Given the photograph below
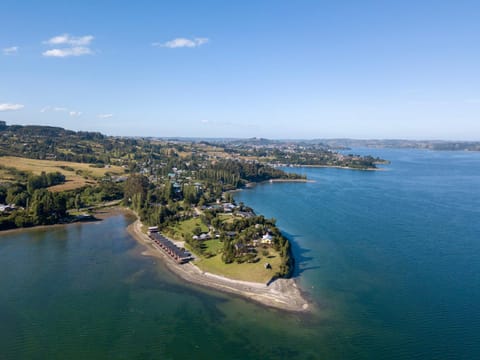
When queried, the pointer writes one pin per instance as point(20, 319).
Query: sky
point(274, 69)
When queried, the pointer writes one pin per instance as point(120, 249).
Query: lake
point(391, 258)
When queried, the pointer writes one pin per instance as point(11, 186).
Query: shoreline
point(335, 167)
point(282, 294)
point(289, 181)
point(271, 181)
point(99, 215)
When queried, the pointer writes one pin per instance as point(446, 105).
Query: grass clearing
point(226, 218)
point(186, 227)
point(81, 175)
point(255, 272)
point(213, 246)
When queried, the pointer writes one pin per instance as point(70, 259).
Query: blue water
point(392, 255)
point(391, 260)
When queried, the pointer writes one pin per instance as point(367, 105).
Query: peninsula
point(179, 189)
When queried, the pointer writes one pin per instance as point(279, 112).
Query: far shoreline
point(335, 167)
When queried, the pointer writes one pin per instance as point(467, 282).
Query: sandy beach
point(281, 294)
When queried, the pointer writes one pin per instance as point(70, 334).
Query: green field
point(213, 246)
point(186, 227)
point(255, 272)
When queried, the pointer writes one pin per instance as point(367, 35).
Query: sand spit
point(281, 294)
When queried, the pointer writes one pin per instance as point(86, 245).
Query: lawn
point(226, 218)
point(186, 227)
point(213, 246)
point(81, 175)
point(255, 272)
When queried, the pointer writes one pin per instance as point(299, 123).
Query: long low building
point(179, 255)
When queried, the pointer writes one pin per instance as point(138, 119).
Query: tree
point(136, 184)
point(197, 230)
point(168, 191)
point(78, 202)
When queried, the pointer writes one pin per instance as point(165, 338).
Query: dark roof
point(181, 253)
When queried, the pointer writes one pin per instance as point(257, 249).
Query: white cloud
point(67, 39)
point(10, 50)
point(11, 107)
point(70, 46)
point(72, 113)
point(183, 42)
point(104, 116)
point(75, 51)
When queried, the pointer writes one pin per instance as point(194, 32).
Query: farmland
point(77, 174)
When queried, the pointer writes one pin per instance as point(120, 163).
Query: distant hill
point(47, 131)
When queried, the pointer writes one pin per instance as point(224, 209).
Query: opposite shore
point(337, 167)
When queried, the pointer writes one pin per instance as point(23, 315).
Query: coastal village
point(181, 191)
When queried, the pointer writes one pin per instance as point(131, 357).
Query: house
point(267, 239)
point(228, 207)
point(204, 236)
point(152, 229)
point(245, 214)
point(7, 208)
point(119, 179)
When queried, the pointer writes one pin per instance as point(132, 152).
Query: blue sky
point(275, 69)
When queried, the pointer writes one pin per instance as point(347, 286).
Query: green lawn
point(255, 272)
point(213, 246)
point(226, 218)
point(186, 227)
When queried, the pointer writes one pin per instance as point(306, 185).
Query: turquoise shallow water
point(391, 258)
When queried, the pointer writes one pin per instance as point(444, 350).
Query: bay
point(391, 258)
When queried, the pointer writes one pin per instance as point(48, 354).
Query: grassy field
point(255, 272)
point(213, 246)
point(186, 227)
point(226, 218)
point(81, 175)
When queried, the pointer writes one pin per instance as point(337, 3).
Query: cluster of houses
point(242, 249)
point(229, 208)
point(202, 237)
point(266, 239)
